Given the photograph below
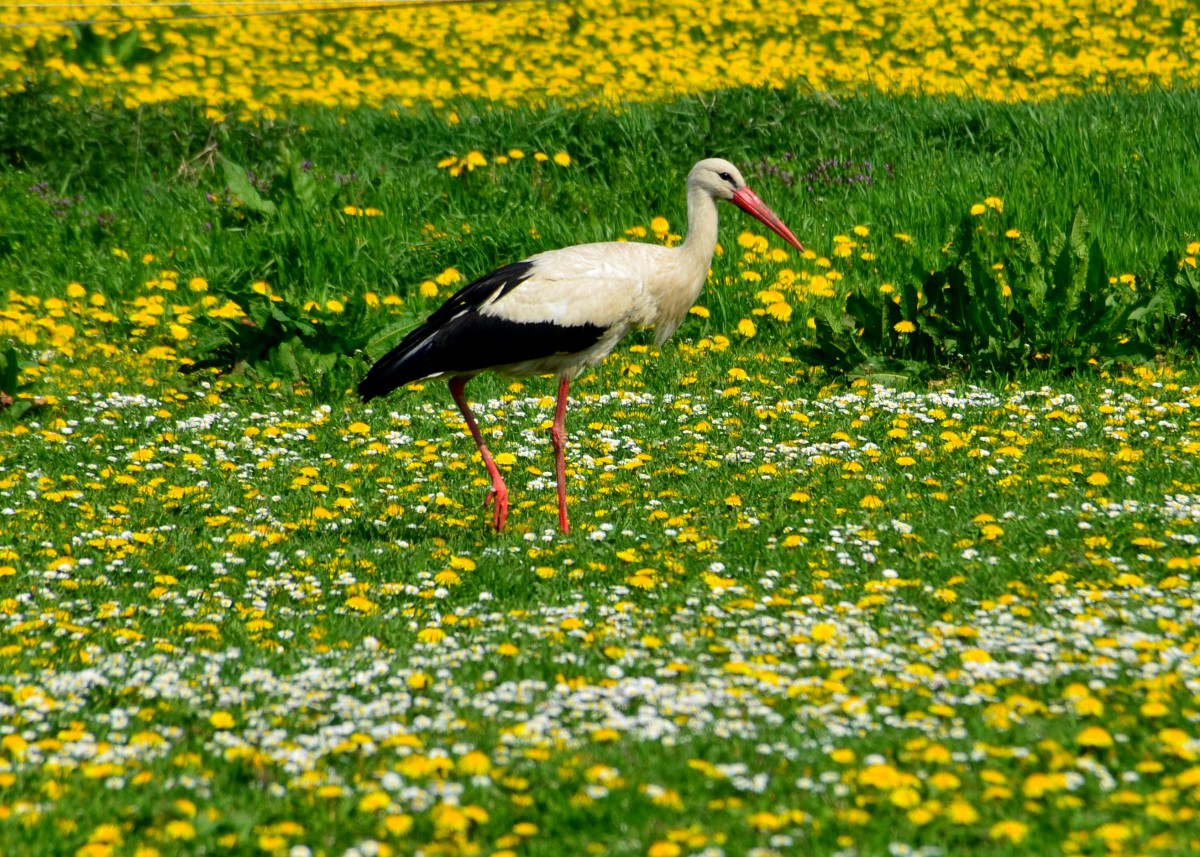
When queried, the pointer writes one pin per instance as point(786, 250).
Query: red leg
point(559, 434)
point(499, 492)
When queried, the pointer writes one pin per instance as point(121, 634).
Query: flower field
point(520, 52)
point(957, 618)
point(892, 550)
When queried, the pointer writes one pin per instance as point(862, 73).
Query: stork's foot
point(498, 496)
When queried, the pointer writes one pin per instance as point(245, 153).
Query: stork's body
point(562, 311)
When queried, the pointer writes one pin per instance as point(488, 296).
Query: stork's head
point(722, 180)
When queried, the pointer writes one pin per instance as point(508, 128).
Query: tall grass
point(139, 179)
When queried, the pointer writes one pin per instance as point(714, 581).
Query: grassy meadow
point(891, 550)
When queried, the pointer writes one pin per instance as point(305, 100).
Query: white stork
point(562, 311)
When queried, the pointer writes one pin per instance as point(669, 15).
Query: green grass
point(795, 612)
point(1124, 157)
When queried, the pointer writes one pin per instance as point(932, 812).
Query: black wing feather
point(476, 293)
point(456, 338)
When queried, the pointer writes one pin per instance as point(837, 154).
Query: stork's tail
point(400, 366)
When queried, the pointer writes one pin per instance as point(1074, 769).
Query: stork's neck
point(678, 282)
point(701, 238)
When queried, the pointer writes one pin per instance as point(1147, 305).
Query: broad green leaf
point(239, 184)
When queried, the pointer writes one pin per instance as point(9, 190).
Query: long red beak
point(748, 201)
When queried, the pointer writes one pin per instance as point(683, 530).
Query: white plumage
point(562, 311)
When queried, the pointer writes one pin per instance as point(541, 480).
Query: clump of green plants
point(305, 344)
point(1046, 306)
point(12, 384)
point(1174, 308)
point(290, 183)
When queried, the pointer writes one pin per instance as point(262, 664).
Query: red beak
point(748, 201)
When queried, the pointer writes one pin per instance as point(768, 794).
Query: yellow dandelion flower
point(475, 764)
point(962, 813)
point(843, 756)
point(374, 801)
point(229, 309)
point(432, 635)
point(663, 848)
point(398, 825)
point(1155, 709)
point(823, 633)
point(562, 159)
point(781, 311)
point(978, 209)
point(448, 277)
point(905, 326)
point(180, 830)
point(905, 798)
point(746, 328)
point(1011, 830)
point(1094, 736)
point(221, 720)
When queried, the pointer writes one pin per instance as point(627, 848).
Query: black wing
point(456, 338)
point(488, 288)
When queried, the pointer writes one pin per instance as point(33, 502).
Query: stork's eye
point(726, 177)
